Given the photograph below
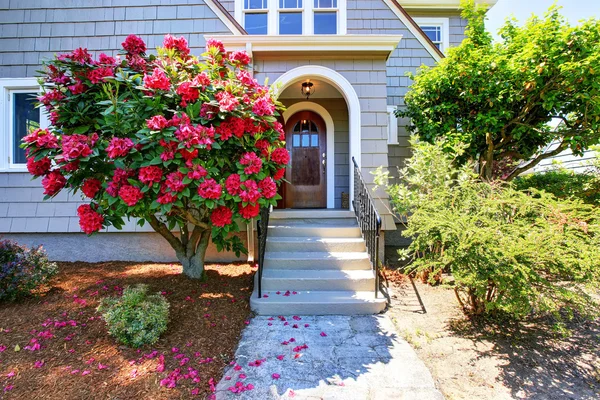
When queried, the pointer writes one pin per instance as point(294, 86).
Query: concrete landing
point(345, 358)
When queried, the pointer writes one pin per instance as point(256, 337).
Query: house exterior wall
point(32, 30)
point(338, 110)
point(566, 159)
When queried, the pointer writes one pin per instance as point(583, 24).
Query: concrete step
point(318, 303)
point(314, 230)
point(314, 244)
point(317, 260)
point(301, 214)
point(330, 280)
point(314, 220)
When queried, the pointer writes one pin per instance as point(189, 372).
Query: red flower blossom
point(209, 189)
point(78, 88)
point(280, 156)
point(233, 126)
point(166, 198)
point(177, 43)
point(201, 80)
point(42, 138)
point(136, 62)
point(106, 60)
point(169, 152)
point(221, 216)
point(263, 145)
point(157, 123)
point(263, 106)
point(232, 184)
point(239, 57)
point(80, 55)
point(53, 183)
point(208, 111)
point(246, 79)
point(279, 174)
point(158, 80)
point(175, 181)
point(197, 171)
point(119, 147)
point(227, 101)
point(91, 187)
point(268, 188)
point(249, 211)
point(52, 96)
point(71, 167)
point(38, 168)
point(188, 93)
point(76, 146)
point(89, 220)
point(98, 75)
point(150, 174)
point(249, 192)
point(130, 194)
point(215, 44)
point(188, 155)
point(252, 162)
point(134, 45)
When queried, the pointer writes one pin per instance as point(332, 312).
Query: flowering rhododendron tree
point(185, 145)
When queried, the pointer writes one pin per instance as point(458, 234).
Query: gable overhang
point(380, 46)
point(226, 18)
point(414, 28)
point(440, 4)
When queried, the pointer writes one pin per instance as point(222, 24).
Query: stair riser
point(273, 308)
point(314, 221)
point(283, 284)
point(300, 214)
point(321, 232)
point(307, 247)
point(317, 264)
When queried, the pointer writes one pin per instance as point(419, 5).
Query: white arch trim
point(347, 90)
point(330, 128)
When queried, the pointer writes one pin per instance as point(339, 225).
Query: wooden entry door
point(306, 140)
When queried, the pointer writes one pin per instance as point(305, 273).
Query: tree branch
point(192, 244)
point(194, 220)
point(166, 233)
point(563, 145)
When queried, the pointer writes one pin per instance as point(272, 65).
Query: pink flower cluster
point(78, 146)
point(157, 81)
point(89, 220)
point(119, 147)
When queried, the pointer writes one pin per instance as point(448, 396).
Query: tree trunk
point(192, 259)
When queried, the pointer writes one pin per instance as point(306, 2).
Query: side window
point(290, 17)
point(325, 17)
point(18, 117)
point(437, 30)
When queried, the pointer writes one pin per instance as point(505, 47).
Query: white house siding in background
point(566, 159)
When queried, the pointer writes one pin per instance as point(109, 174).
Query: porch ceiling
point(363, 45)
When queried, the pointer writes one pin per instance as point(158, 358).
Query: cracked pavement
point(348, 357)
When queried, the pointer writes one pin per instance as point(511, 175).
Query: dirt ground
point(78, 360)
point(503, 361)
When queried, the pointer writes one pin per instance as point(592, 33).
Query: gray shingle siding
point(33, 30)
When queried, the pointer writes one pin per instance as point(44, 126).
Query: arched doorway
point(306, 140)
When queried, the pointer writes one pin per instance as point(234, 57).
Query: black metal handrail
point(369, 220)
point(262, 228)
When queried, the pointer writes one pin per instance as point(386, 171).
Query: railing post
point(262, 228)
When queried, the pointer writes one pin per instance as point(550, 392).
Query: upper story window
point(292, 17)
point(255, 16)
point(437, 29)
point(19, 117)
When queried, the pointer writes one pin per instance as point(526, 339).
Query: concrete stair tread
point(292, 214)
point(313, 239)
point(313, 223)
point(321, 274)
point(319, 297)
point(316, 255)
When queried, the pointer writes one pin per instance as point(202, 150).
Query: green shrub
point(564, 184)
point(509, 252)
point(23, 270)
point(136, 318)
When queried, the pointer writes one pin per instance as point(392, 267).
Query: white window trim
point(392, 125)
point(307, 17)
point(444, 23)
point(8, 86)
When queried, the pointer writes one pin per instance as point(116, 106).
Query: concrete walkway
point(325, 357)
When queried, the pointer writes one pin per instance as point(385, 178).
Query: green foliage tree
point(499, 98)
point(508, 252)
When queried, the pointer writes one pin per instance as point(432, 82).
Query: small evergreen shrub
point(136, 318)
point(510, 253)
point(23, 270)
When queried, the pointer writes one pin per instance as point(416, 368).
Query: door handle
point(324, 168)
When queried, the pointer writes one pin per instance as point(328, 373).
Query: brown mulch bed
point(77, 358)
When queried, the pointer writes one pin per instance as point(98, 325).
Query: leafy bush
point(22, 270)
point(136, 318)
point(508, 252)
point(564, 184)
